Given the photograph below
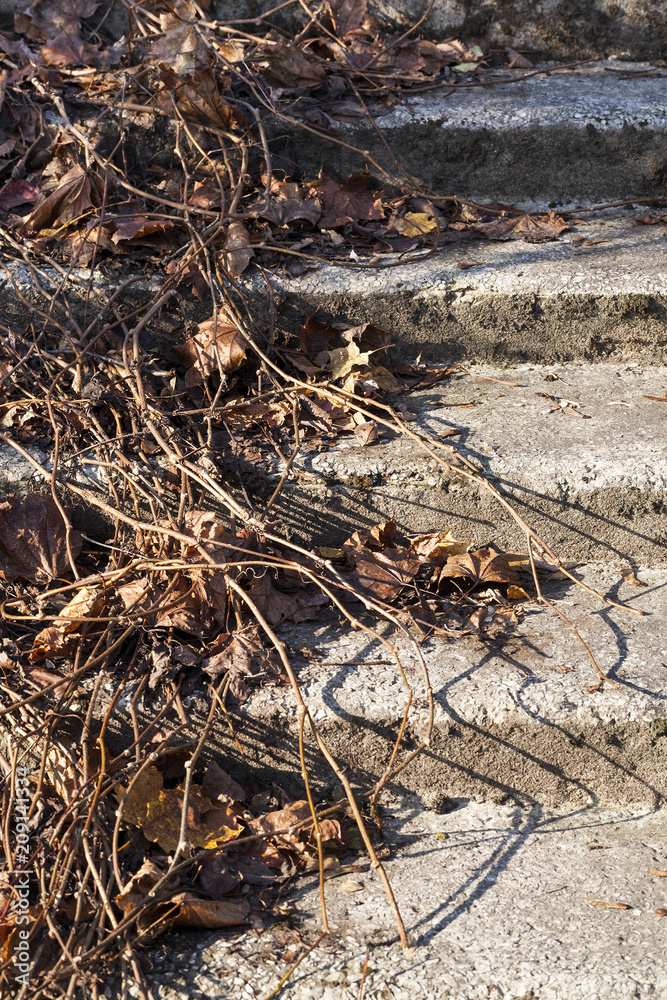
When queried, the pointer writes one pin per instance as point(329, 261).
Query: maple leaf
point(33, 539)
point(381, 567)
point(198, 98)
point(527, 227)
point(243, 656)
point(287, 205)
point(349, 201)
point(347, 15)
point(77, 192)
point(483, 566)
point(67, 49)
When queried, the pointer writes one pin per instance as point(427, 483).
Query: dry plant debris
point(178, 445)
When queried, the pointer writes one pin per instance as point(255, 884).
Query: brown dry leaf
point(53, 641)
point(347, 15)
point(601, 904)
point(366, 433)
point(287, 65)
point(483, 566)
point(238, 250)
point(517, 61)
point(270, 823)
point(243, 656)
point(180, 46)
point(316, 336)
point(516, 593)
point(217, 346)
point(53, 17)
point(381, 568)
point(33, 539)
point(220, 787)
point(342, 360)
point(68, 50)
point(350, 201)
point(137, 227)
point(75, 195)
point(286, 204)
point(629, 576)
point(436, 547)
point(157, 812)
point(277, 606)
point(350, 887)
point(197, 98)
point(527, 227)
point(211, 914)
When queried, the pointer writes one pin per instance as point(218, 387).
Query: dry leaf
point(137, 227)
point(482, 566)
point(238, 251)
point(350, 201)
point(53, 641)
point(288, 66)
point(350, 887)
point(516, 593)
point(75, 195)
point(217, 346)
point(366, 433)
point(33, 539)
point(211, 914)
point(414, 224)
point(347, 15)
point(157, 812)
point(17, 193)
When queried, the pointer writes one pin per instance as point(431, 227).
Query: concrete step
point(596, 488)
point(553, 30)
point(539, 302)
point(590, 478)
point(494, 904)
point(582, 136)
point(536, 730)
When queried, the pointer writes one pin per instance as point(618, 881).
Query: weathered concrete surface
point(493, 901)
point(538, 302)
point(594, 488)
point(584, 135)
point(527, 731)
point(552, 29)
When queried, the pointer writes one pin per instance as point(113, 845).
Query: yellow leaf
point(415, 224)
point(517, 593)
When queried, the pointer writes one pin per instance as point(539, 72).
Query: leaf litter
point(166, 438)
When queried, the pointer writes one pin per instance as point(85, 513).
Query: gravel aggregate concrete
point(518, 712)
point(589, 134)
point(590, 477)
point(493, 898)
point(597, 291)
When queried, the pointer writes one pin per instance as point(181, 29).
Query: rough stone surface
point(534, 728)
point(573, 136)
point(594, 488)
point(553, 28)
point(494, 903)
point(538, 302)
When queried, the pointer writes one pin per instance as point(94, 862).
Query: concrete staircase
point(540, 789)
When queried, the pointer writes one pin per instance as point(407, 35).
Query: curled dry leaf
point(238, 252)
point(217, 346)
point(381, 568)
point(17, 193)
point(270, 823)
point(77, 192)
point(53, 641)
point(526, 227)
point(157, 812)
point(198, 99)
point(33, 543)
point(137, 227)
point(243, 656)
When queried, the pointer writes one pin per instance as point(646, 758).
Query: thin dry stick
point(276, 990)
point(282, 653)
